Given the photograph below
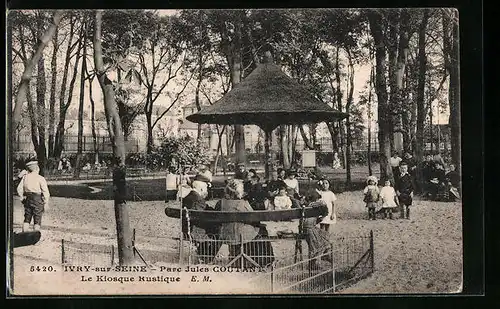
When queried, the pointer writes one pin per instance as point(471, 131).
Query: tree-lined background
point(199, 55)
point(124, 61)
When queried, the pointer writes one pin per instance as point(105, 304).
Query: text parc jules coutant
point(168, 274)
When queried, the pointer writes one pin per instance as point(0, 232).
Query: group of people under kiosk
point(245, 192)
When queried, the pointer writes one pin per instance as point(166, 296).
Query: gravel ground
point(421, 255)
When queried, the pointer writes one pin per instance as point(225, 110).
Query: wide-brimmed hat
point(372, 178)
point(291, 172)
point(31, 163)
point(201, 177)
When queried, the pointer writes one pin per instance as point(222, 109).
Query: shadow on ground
point(154, 189)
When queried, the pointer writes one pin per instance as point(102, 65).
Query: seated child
point(389, 199)
point(371, 198)
point(282, 200)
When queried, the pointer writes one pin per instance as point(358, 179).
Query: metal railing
point(348, 260)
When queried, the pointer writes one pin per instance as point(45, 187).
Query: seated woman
point(234, 232)
point(202, 234)
point(453, 180)
point(439, 189)
point(256, 195)
point(318, 240)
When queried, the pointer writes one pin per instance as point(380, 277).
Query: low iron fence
point(348, 260)
point(75, 253)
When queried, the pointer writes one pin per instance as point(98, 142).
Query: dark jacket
point(405, 184)
point(454, 178)
point(256, 196)
point(427, 170)
point(194, 201)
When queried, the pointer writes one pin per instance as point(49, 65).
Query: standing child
point(34, 195)
point(327, 196)
point(371, 198)
point(389, 199)
point(405, 191)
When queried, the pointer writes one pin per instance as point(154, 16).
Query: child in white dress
point(328, 197)
point(282, 200)
point(389, 199)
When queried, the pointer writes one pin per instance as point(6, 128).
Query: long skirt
point(259, 250)
point(318, 242)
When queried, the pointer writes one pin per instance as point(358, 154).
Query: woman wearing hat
point(235, 232)
point(292, 183)
point(34, 194)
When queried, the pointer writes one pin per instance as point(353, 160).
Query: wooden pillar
point(269, 156)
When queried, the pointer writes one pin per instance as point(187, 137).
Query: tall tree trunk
point(219, 147)
point(452, 61)
point(370, 171)
point(149, 122)
point(384, 113)
point(28, 69)
point(62, 117)
point(403, 47)
point(197, 91)
point(92, 111)
point(348, 121)
point(41, 89)
point(339, 96)
point(239, 130)
point(334, 134)
point(305, 138)
point(125, 250)
point(79, 152)
point(284, 146)
point(32, 108)
point(63, 107)
point(420, 101)
point(52, 99)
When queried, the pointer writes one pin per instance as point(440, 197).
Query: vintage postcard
point(249, 151)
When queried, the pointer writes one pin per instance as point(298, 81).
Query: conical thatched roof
point(267, 98)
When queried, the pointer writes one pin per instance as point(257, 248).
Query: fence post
point(133, 241)
point(241, 252)
point(181, 237)
point(334, 286)
point(372, 260)
point(62, 251)
point(112, 255)
point(273, 267)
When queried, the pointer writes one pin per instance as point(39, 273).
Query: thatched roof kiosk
point(267, 98)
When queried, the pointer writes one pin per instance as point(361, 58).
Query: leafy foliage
point(182, 150)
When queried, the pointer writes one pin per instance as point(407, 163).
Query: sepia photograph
point(234, 151)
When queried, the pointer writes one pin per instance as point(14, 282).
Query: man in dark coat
point(256, 195)
point(241, 173)
point(427, 168)
point(405, 190)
